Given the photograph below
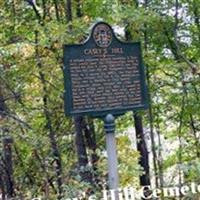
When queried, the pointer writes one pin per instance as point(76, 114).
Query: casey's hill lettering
point(103, 75)
point(103, 51)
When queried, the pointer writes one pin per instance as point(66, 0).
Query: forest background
point(55, 156)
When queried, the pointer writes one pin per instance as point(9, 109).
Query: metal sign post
point(111, 152)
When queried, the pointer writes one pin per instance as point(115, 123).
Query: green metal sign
point(103, 75)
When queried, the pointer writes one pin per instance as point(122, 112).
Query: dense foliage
point(31, 92)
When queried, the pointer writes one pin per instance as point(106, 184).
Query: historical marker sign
point(103, 75)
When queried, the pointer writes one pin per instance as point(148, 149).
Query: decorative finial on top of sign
point(102, 35)
point(109, 123)
point(109, 118)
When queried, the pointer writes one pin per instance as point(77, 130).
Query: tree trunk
point(57, 11)
point(141, 144)
point(78, 9)
point(196, 16)
point(142, 148)
point(52, 136)
point(1, 183)
point(8, 167)
point(69, 10)
point(6, 175)
point(3, 107)
point(89, 131)
point(81, 150)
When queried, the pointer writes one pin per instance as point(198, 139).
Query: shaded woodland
point(46, 154)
